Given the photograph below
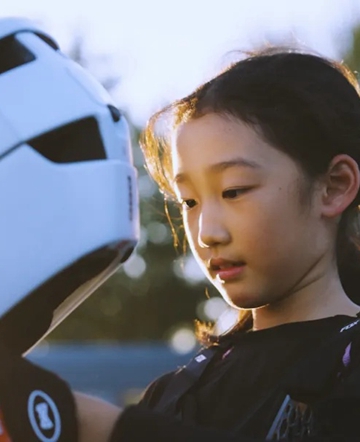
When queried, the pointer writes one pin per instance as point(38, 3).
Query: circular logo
point(44, 416)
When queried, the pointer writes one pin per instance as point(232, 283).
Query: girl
point(264, 161)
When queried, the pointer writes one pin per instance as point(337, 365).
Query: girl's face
point(242, 214)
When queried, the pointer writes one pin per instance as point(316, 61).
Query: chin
point(240, 295)
point(245, 301)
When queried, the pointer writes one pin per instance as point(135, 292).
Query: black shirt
point(234, 384)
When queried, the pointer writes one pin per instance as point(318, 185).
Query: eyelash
point(184, 204)
point(237, 190)
point(227, 194)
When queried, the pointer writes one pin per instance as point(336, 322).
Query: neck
point(320, 298)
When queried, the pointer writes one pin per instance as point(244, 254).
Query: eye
point(234, 193)
point(188, 204)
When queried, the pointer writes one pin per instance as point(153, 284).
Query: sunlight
point(183, 341)
point(135, 266)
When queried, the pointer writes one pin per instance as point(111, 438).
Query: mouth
point(225, 270)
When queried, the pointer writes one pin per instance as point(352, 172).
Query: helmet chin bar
point(44, 308)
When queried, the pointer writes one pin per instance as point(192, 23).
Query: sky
point(163, 49)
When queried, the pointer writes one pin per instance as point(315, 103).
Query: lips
point(225, 269)
point(221, 264)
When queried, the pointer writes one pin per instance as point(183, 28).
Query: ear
point(341, 185)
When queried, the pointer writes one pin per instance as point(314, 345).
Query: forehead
point(200, 143)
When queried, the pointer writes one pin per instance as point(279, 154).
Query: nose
point(212, 228)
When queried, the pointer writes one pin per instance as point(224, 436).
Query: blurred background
point(141, 322)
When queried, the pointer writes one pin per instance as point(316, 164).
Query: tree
point(352, 51)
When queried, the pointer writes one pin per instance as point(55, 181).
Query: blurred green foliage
point(352, 52)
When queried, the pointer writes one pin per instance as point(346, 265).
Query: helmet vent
point(74, 142)
point(13, 54)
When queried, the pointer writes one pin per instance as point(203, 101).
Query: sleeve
point(138, 424)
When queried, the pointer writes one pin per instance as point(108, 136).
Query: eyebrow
point(221, 166)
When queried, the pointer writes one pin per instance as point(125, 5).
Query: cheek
point(191, 232)
point(268, 228)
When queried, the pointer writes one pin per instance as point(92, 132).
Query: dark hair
point(302, 104)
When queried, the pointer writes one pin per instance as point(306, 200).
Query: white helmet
point(68, 191)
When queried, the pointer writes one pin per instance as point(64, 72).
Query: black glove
point(35, 404)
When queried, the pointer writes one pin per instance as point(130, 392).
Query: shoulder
point(155, 390)
point(351, 355)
